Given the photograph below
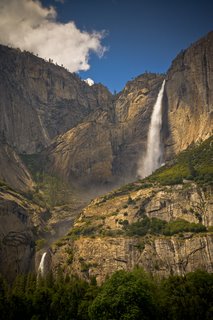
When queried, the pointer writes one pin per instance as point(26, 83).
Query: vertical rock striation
point(189, 95)
point(40, 100)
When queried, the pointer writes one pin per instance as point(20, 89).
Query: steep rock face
point(100, 257)
point(40, 100)
point(94, 138)
point(105, 148)
point(13, 171)
point(168, 203)
point(101, 245)
point(133, 109)
point(189, 95)
point(18, 218)
point(84, 152)
point(99, 138)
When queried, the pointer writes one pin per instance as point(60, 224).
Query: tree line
point(126, 295)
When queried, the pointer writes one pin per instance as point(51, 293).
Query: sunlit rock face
point(104, 247)
point(104, 149)
point(189, 95)
point(114, 140)
point(93, 138)
point(43, 104)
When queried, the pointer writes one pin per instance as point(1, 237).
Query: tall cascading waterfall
point(154, 153)
point(41, 265)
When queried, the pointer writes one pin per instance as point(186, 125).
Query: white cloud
point(28, 25)
point(89, 81)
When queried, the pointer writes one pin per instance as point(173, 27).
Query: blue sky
point(140, 35)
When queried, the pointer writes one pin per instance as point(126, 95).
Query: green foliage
point(35, 163)
point(126, 295)
point(50, 298)
point(50, 190)
point(210, 229)
point(85, 230)
point(181, 225)
point(157, 226)
point(112, 233)
point(40, 244)
point(130, 201)
point(188, 297)
point(125, 190)
point(124, 223)
point(59, 243)
point(195, 163)
point(141, 228)
point(54, 192)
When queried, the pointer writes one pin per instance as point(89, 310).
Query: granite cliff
point(105, 148)
point(189, 95)
point(120, 136)
point(159, 224)
point(92, 141)
point(20, 227)
point(44, 106)
point(40, 100)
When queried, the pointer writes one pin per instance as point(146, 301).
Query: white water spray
point(41, 265)
point(153, 156)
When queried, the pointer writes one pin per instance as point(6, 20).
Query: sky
point(110, 41)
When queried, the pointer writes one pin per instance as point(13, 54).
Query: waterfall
point(41, 265)
point(153, 157)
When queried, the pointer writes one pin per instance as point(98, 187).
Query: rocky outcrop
point(168, 203)
point(189, 95)
point(101, 246)
point(101, 256)
point(40, 100)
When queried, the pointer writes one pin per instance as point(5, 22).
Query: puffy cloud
point(28, 25)
point(89, 81)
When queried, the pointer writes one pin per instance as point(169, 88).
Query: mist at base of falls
point(153, 158)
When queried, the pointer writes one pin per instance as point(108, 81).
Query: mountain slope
point(82, 139)
point(92, 136)
point(165, 228)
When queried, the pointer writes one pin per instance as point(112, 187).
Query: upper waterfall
point(153, 157)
